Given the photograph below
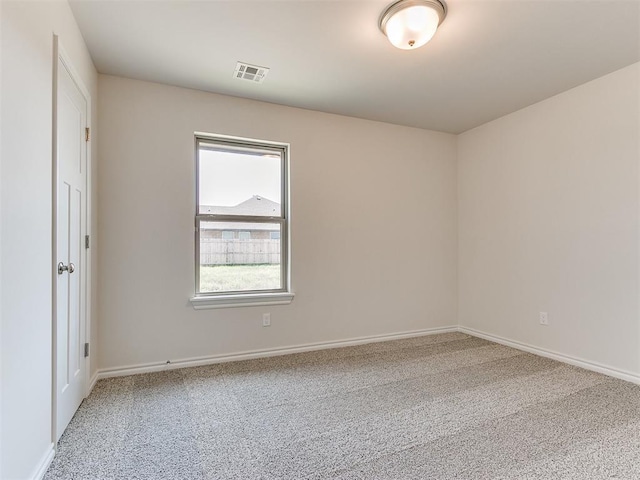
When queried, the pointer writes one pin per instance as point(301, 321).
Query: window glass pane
point(227, 235)
point(228, 265)
point(244, 235)
point(239, 180)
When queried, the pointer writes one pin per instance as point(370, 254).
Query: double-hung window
point(241, 222)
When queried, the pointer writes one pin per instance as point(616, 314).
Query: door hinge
point(86, 241)
point(86, 350)
point(87, 134)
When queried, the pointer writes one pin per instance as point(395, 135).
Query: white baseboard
point(272, 352)
point(92, 383)
point(561, 357)
point(43, 464)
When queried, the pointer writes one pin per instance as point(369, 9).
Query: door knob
point(66, 268)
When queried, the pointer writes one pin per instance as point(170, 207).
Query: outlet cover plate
point(544, 318)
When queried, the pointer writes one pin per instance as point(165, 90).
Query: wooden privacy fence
point(216, 251)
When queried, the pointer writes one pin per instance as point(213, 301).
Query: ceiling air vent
point(252, 73)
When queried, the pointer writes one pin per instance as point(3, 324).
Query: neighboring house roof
point(256, 206)
point(245, 227)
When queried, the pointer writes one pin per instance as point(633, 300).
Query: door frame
point(60, 55)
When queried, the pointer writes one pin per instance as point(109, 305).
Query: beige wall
point(350, 180)
point(26, 206)
point(548, 221)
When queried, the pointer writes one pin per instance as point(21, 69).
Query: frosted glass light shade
point(409, 24)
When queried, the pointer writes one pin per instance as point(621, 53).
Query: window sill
point(241, 300)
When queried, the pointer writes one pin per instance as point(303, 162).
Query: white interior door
point(71, 116)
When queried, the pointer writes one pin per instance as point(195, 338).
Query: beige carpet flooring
point(446, 406)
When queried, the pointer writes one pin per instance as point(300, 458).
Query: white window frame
point(280, 296)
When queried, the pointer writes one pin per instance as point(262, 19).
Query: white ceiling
point(488, 58)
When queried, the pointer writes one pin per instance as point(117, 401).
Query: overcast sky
point(227, 179)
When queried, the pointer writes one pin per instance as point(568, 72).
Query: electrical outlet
point(266, 319)
point(544, 318)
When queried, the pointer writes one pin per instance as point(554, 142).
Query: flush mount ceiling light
point(409, 24)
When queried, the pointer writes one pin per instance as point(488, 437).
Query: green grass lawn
point(220, 278)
